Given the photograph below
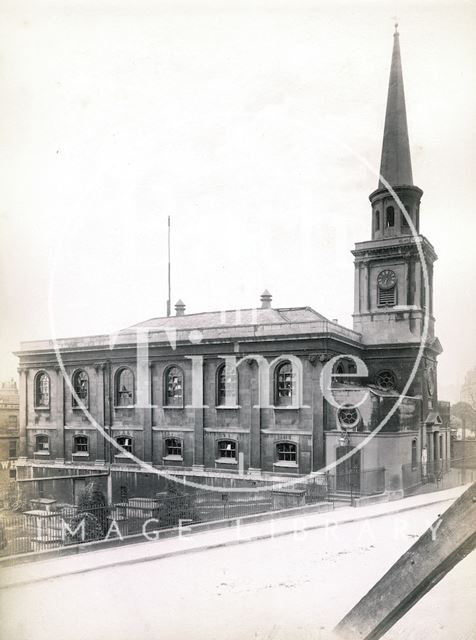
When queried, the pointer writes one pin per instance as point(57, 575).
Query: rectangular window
point(12, 449)
point(12, 421)
point(80, 444)
point(286, 452)
point(173, 447)
point(42, 443)
point(227, 449)
point(125, 442)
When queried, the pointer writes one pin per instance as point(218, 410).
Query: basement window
point(286, 452)
point(227, 449)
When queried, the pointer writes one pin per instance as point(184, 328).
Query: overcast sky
point(244, 121)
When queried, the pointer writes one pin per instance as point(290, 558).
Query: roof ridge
point(220, 311)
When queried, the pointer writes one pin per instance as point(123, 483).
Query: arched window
point(284, 384)
point(286, 452)
point(42, 390)
point(124, 388)
point(404, 217)
point(80, 444)
point(174, 387)
point(390, 217)
point(42, 443)
point(173, 447)
point(226, 385)
point(226, 449)
point(81, 387)
point(343, 367)
point(414, 454)
point(125, 442)
point(377, 220)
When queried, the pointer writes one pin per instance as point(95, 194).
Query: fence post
point(109, 488)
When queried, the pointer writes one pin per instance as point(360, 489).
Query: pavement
point(191, 543)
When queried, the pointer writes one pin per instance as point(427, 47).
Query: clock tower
point(394, 269)
point(393, 285)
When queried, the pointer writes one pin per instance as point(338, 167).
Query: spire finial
point(396, 29)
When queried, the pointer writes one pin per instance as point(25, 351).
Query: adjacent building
point(245, 393)
point(468, 390)
point(9, 432)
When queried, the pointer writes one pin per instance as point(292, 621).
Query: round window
point(386, 380)
point(348, 417)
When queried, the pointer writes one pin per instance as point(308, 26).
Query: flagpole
point(168, 266)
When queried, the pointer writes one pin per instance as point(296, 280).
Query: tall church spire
point(396, 164)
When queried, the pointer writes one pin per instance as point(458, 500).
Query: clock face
point(386, 279)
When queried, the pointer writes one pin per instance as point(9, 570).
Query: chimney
point(266, 298)
point(179, 308)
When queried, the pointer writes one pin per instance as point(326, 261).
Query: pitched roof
point(233, 318)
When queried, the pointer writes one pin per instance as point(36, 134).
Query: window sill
point(285, 408)
point(173, 458)
point(220, 407)
point(172, 406)
point(286, 463)
point(41, 453)
point(231, 461)
point(76, 407)
point(81, 454)
point(122, 456)
point(118, 408)
point(42, 408)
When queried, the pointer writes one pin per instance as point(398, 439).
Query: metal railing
point(39, 530)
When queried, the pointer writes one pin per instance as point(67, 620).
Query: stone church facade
point(246, 392)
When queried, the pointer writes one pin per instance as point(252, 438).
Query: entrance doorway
point(436, 442)
point(348, 471)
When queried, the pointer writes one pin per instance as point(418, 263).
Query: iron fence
point(39, 529)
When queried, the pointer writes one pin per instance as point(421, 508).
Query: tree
point(92, 509)
point(464, 412)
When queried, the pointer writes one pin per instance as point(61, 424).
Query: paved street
point(292, 586)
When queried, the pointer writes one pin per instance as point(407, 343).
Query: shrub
point(92, 528)
point(177, 505)
point(92, 506)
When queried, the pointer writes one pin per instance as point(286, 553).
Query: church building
point(261, 393)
